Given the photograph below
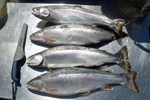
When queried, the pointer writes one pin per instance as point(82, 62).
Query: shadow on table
point(3, 19)
point(39, 69)
point(5, 99)
point(43, 24)
point(138, 28)
point(142, 47)
point(139, 32)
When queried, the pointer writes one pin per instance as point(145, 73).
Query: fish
point(68, 14)
point(72, 34)
point(78, 56)
point(71, 81)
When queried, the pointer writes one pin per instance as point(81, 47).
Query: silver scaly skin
point(71, 56)
point(70, 81)
point(72, 34)
point(65, 14)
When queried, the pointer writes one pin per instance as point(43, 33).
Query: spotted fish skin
point(72, 56)
point(70, 81)
point(72, 34)
point(68, 14)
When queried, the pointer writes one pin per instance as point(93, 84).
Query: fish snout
point(34, 61)
point(35, 84)
point(32, 37)
point(35, 12)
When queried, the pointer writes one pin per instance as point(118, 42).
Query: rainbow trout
point(72, 34)
point(70, 81)
point(65, 14)
point(71, 56)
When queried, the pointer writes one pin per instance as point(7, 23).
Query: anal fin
point(103, 66)
point(84, 92)
point(107, 88)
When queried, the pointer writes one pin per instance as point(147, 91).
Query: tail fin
point(126, 66)
point(123, 53)
point(130, 83)
point(117, 26)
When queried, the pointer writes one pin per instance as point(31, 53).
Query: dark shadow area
point(109, 9)
point(83, 2)
point(141, 47)
point(139, 32)
point(3, 16)
point(40, 69)
point(136, 30)
point(69, 97)
point(100, 67)
point(5, 99)
point(42, 44)
point(43, 24)
point(137, 27)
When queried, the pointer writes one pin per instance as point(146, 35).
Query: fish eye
point(44, 12)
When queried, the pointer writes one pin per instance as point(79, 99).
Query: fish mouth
point(32, 64)
point(29, 87)
point(32, 37)
point(35, 12)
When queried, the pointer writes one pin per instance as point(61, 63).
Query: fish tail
point(130, 83)
point(126, 66)
point(117, 25)
point(123, 52)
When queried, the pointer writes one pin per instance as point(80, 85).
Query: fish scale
point(71, 56)
point(64, 14)
point(72, 34)
point(70, 81)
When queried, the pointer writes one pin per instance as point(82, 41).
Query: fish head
point(38, 36)
point(35, 84)
point(41, 12)
point(35, 60)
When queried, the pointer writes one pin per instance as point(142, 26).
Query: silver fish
point(70, 81)
point(77, 14)
point(73, 34)
point(70, 56)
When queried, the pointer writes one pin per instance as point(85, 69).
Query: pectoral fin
point(81, 65)
point(105, 50)
point(48, 67)
point(51, 90)
point(55, 19)
point(50, 40)
point(109, 71)
point(103, 66)
point(107, 88)
point(84, 92)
